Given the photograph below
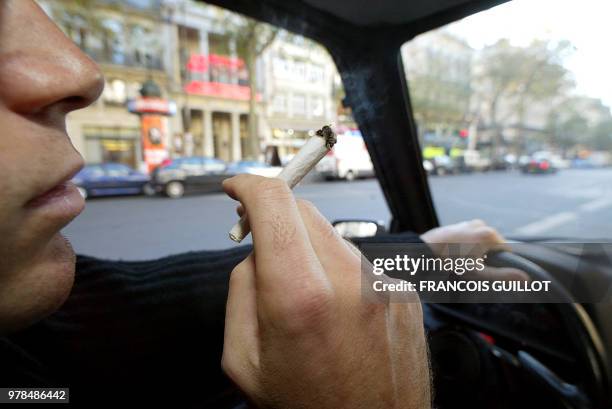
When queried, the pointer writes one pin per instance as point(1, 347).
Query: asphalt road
point(571, 203)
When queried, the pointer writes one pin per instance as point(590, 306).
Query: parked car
point(475, 161)
point(111, 179)
point(178, 176)
point(580, 163)
point(540, 162)
point(253, 168)
point(348, 160)
point(440, 165)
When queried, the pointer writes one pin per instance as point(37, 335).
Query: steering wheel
point(587, 345)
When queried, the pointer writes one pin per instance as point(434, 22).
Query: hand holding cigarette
point(307, 157)
point(298, 330)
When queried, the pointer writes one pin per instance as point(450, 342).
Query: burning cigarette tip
point(329, 135)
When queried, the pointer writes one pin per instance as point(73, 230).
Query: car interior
point(552, 355)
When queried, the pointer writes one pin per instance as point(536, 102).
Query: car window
point(196, 59)
point(115, 169)
point(192, 161)
point(93, 171)
point(175, 164)
point(512, 107)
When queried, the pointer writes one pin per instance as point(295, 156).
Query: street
point(571, 203)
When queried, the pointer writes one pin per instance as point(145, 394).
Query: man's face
point(43, 76)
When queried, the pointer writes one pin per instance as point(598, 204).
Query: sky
point(587, 24)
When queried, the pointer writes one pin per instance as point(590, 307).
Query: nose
point(42, 72)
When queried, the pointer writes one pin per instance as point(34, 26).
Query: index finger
point(285, 258)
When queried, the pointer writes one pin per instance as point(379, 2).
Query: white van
point(348, 160)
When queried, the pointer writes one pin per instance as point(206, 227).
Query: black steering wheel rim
point(581, 329)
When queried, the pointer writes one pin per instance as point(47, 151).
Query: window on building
point(218, 44)
point(317, 106)
point(115, 91)
point(114, 42)
point(281, 68)
point(316, 73)
point(144, 47)
point(298, 104)
point(299, 71)
point(279, 103)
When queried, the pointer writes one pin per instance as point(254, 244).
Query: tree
point(512, 77)
point(251, 38)
point(601, 136)
point(583, 121)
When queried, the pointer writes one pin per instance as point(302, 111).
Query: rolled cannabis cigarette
point(307, 157)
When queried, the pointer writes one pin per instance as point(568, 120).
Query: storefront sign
point(202, 62)
point(221, 90)
point(152, 106)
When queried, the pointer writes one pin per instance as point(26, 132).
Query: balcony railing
point(127, 59)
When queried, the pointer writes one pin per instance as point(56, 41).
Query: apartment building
point(126, 40)
point(298, 89)
point(188, 51)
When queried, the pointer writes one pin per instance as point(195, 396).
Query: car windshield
point(513, 115)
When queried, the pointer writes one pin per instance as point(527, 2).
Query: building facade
point(438, 68)
point(186, 48)
point(126, 40)
point(299, 76)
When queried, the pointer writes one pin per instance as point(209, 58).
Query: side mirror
point(358, 228)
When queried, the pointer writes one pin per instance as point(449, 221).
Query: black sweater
point(147, 332)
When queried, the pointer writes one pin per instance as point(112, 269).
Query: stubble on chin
point(40, 288)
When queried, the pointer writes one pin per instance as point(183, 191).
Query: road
point(571, 203)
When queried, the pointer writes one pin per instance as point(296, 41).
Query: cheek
point(19, 165)
point(27, 154)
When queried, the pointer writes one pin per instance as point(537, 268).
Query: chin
point(40, 288)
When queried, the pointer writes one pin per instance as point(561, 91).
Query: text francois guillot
point(455, 265)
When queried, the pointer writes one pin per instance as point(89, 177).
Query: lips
point(56, 188)
point(58, 204)
point(56, 192)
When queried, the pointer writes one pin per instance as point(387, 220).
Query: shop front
point(112, 144)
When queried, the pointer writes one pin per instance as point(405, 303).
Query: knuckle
point(352, 247)
point(236, 275)
point(235, 369)
point(242, 371)
point(272, 188)
point(306, 205)
point(308, 310)
point(487, 234)
point(375, 308)
point(315, 219)
point(239, 271)
point(229, 367)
